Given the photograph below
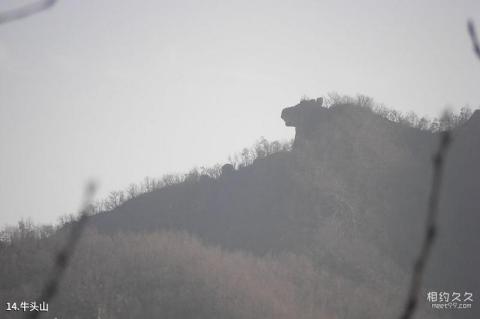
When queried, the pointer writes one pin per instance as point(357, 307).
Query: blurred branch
point(431, 228)
point(473, 36)
point(63, 257)
point(25, 11)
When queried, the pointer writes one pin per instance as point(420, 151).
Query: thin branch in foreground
point(474, 38)
point(25, 11)
point(63, 257)
point(431, 227)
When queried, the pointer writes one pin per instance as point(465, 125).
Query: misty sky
point(119, 90)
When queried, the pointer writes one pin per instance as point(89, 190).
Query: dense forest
point(325, 226)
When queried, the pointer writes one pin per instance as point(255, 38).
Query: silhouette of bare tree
point(431, 227)
point(473, 36)
point(26, 11)
point(63, 257)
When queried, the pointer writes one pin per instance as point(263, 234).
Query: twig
point(63, 256)
point(431, 228)
point(473, 36)
point(25, 11)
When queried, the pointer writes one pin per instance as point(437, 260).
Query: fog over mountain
point(117, 90)
point(325, 227)
point(223, 177)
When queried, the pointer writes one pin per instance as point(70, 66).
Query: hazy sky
point(119, 90)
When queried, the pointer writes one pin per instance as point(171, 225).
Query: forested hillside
point(325, 228)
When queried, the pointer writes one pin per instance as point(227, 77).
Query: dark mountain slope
point(329, 229)
point(352, 194)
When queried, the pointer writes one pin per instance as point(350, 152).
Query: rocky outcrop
point(306, 117)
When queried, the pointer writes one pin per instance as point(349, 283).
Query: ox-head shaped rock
point(303, 115)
